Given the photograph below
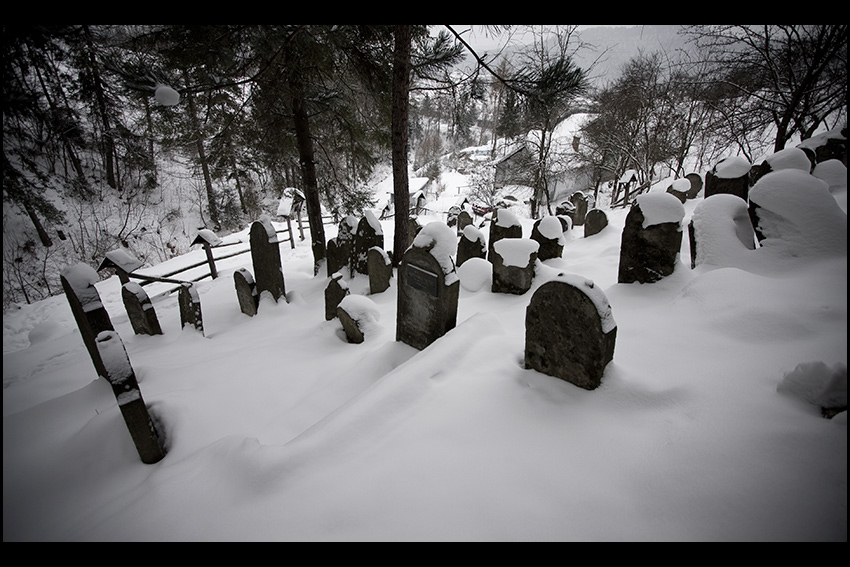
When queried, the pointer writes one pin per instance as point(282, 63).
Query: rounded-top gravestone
point(652, 238)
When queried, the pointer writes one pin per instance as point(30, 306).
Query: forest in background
point(138, 136)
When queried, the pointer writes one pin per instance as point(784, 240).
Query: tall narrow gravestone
point(380, 270)
point(190, 307)
point(89, 313)
point(265, 255)
point(428, 287)
point(339, 248)
point(471, 245)
point(505, 224)
point(121, 377)
point(652, 238)
point(140, 310)
point(580, 202)
point(246, 292)
point(335, 292)
point(369, 234)
point(570, 331)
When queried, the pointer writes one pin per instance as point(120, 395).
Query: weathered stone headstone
point(414, 228)
point(89, 313)
point(729, 175)
point(471, 245)
point(140, 310)
point(428, 287)
point(680, 188)
point(696, 185)
point(548, 232)
point(339, 248)
point(246, 292)
point(122, 378)
point(652, 238)
point(580, 202)
point(595, 221)
point(335, 292)
point(380, 269)
point(369, 234)
point(513, 265)
point(358, 315)
point(504, 224)
point(788, 158)
point(570, 332)
point(464, 219)
point(190, 307)
point(265, 254)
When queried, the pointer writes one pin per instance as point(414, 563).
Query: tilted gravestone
point(428, 287)
point(652, 238)
point(369, 234)
point(339, 248)
point(140, 310)
point(471, 245)
point(125, 387)
point(335, 292)
point(513, 265)
point(358, 315)
point(190, 307)
point(265, 255)
point(504, 224)
point(89, 313)
point(729, 175)
point(548, 232)
point(570, 331)
point(380, 270)
point(595, 221)
point(246, 291)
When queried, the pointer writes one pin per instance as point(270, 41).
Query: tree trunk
point(97, 85)
point(400, 109)
point(202, 158)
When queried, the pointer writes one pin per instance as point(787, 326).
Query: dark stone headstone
point(414, 228)
point(190, 307)
point(471, 245)
point(335, 292)
point(265, 253)
point(369, 234)
point(569, 331)
point(380, 270)
point(580, 202)
point(122, 378)
point(548, 232)
point(595, 221)
point(353, 333)
point(513, 262)
point(680, 188)
point(730, 175)
point(696, 185)
point(357, 313)
point(339, 248)
point(504, 224)
point(427, 298)
point(246, 292)
point(140, 310)
point(652, 238)
point(89, 313)
point(464, 219)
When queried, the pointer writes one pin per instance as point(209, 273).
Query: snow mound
point(732, 167)
point(516, 251)
point(817, 383)
point(660, 208)
point(475, 274)
point(722, 230)
point(441, 241)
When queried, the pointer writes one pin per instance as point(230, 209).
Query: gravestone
point(652, 238)
point(720, 227)
point(123, 262)
point(369, 234)
point(730, 175)
point(358, 315)
point(680, 188)
point(125, 387)
point(339, 248)
point(570, 331)
point(335, 292)
point(246, 292)
point(471, 245)
point(566, 222)
point(513, 265)
point(595, 221)
point(140, 310)
point(428, 287)
point(580, 202)
point(265, 254)
point(504, 224)
point(696, 185)
point(190, 307)
point(380, 270)
point(89, 313)
point(548, 232)
point(414, 228)
point(464, 219)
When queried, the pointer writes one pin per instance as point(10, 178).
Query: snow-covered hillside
point(705, 426)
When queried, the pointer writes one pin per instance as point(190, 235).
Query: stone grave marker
point(89, 313)
point(380, 270)
point(265, 254)
point(548, 232)
point(140, 310)
point(471, 245)
point(428, 287)
point(570, 331)
point(335, 292)
point(339, 248)
point(680, 188)
point(513, 265)
point(464, 219)
point(729, 175)
point(580, 202)
point(504, 224)
point(358, 315)
point(125, 386)
point(652, 238)
point(190, 307)
point(246, 291)
point(719, 227)
point(369, 234)
point(595, 221)
point(696, 185)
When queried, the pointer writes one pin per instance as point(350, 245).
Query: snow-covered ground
point(704, 427)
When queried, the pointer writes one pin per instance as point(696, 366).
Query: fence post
point(208, 239)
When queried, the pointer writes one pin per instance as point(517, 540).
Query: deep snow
point(706, 425)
